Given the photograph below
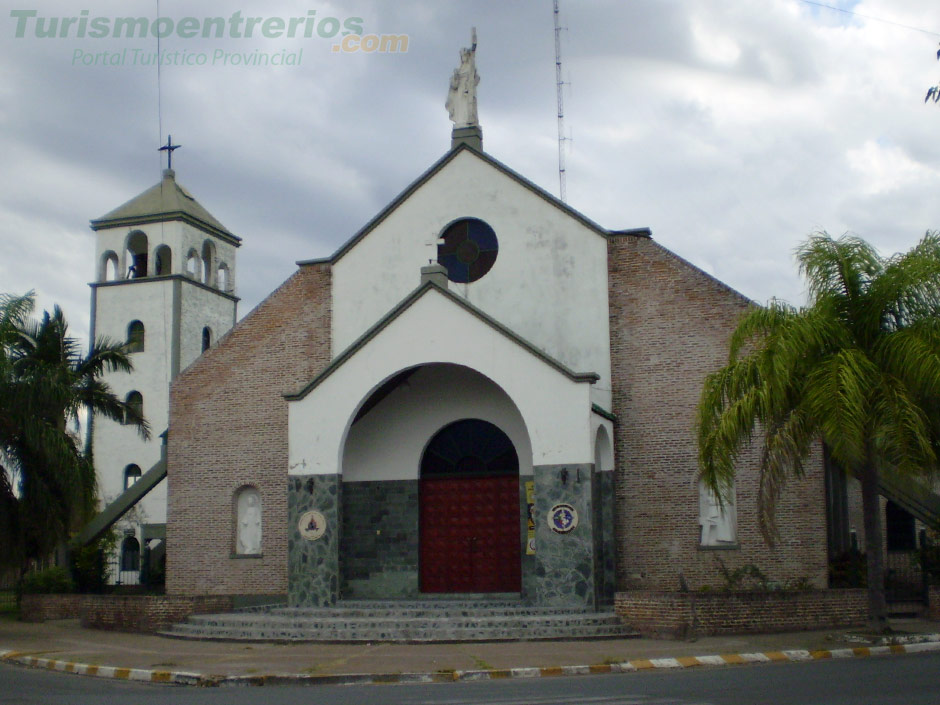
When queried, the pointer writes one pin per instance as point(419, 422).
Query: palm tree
point(858, 368)
point(47, 483)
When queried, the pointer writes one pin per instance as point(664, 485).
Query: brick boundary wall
point(122, 613)
point(682, 614)
point(933, 603)
point(146, 613)
point(39, 608)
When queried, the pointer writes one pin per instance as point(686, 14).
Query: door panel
point(469, 534)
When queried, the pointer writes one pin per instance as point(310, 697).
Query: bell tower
point(165, 285)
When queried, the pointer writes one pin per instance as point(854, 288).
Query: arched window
point(109, 267)
point(192, 264)
point(603, 453)
point(206, 338)
point(469, 446)
point(130, 554)
point(136, 402)
point(222, 278)
point(131, 475)
point(248, 521)
point(163, 261)
point(135, 337)
point(136, 255)
point(208, 263)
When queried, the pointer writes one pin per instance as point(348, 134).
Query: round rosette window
point(468, 251)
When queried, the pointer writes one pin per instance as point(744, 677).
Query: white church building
point(481, 391)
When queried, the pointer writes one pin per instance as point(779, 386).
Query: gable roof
point(434, 169)
point(404, 305)
point(166, 200)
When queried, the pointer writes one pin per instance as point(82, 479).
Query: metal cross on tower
point(168, 148)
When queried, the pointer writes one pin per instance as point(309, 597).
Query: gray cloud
point(733, 129)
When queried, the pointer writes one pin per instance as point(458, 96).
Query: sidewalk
point(153, 658)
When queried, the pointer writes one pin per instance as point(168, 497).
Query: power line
point(870, 17)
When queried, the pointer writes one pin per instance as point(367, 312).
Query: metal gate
point(905, 581)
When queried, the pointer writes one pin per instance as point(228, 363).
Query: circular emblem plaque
point(312, 525)
point(562, 518)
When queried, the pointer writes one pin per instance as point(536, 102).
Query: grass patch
point(481, 664)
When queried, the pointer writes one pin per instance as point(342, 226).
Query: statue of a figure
point(249, 523)
point(462, 97)
point(716, 520)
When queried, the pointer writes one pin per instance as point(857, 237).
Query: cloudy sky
point(732, 128)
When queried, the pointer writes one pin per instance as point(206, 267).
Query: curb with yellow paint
point(198, 679)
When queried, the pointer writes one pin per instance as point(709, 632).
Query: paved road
point(893, 680)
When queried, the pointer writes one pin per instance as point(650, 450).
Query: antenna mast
point(561, 108)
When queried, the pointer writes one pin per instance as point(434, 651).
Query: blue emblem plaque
point(562, 518)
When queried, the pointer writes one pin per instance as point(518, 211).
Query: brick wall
point(679, 615)
point(125, 613)
point(228, 428)
point(933, 603)
point(146, 613)
point(39, 608)
point(670, 324)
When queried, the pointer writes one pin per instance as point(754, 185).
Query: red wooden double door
point(470, 534)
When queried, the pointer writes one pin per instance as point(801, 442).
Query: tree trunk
point(874, 549)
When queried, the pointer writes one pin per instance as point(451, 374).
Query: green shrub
point(89, 567)
point(47, 582)
point(745, 577)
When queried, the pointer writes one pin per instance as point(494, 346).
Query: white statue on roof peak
point(462, 97)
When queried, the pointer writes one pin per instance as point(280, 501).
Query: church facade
point(482, 391)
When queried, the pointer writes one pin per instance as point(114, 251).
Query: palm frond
point(786, 444)
point(844, 266)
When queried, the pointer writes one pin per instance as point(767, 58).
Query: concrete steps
point(413, 621)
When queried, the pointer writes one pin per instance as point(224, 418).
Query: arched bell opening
point(135, 255)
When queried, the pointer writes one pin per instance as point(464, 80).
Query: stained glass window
point(469, 250)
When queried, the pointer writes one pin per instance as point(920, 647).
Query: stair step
point(417, 612)
point(405, 621)
point(401, 634)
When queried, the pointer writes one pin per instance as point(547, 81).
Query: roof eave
point(102, 223)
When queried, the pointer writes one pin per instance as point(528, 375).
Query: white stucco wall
point(200, 307)
point(388, 442)
point(554, 408)
point(116, 446)
point(549, 282)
